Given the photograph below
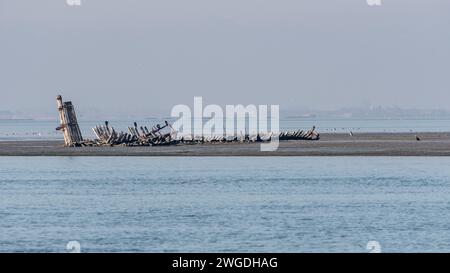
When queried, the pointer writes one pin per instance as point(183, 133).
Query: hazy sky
point(145, 56)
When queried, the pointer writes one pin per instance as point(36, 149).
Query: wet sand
point(366, 144)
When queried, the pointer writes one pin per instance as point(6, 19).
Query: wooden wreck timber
point(136, 136)
point(142, 136)
point(69, 124)
point(158, 135)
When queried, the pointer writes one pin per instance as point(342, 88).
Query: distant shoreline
point(17, 119)
point(334, 144)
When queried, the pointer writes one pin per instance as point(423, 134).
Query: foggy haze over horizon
point(144, 57)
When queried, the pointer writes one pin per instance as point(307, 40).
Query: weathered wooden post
point(69, 123)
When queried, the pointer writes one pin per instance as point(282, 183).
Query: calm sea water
point(224, 204)
point(45, 130)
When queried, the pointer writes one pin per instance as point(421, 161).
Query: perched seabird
point(417, 138)
point(351, 133)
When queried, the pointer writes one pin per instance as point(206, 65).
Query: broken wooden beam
point(69, 124)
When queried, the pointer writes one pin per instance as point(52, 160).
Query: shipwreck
point(157, 135)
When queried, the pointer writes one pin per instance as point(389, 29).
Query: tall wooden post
point(69, 123)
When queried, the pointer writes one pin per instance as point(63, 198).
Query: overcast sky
point(146, 56)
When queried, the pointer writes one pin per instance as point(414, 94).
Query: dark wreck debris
point(136, 136)
point(158, 135)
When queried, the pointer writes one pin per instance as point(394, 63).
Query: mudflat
point(364, 144)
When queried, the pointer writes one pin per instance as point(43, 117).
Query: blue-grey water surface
point(224, 204)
